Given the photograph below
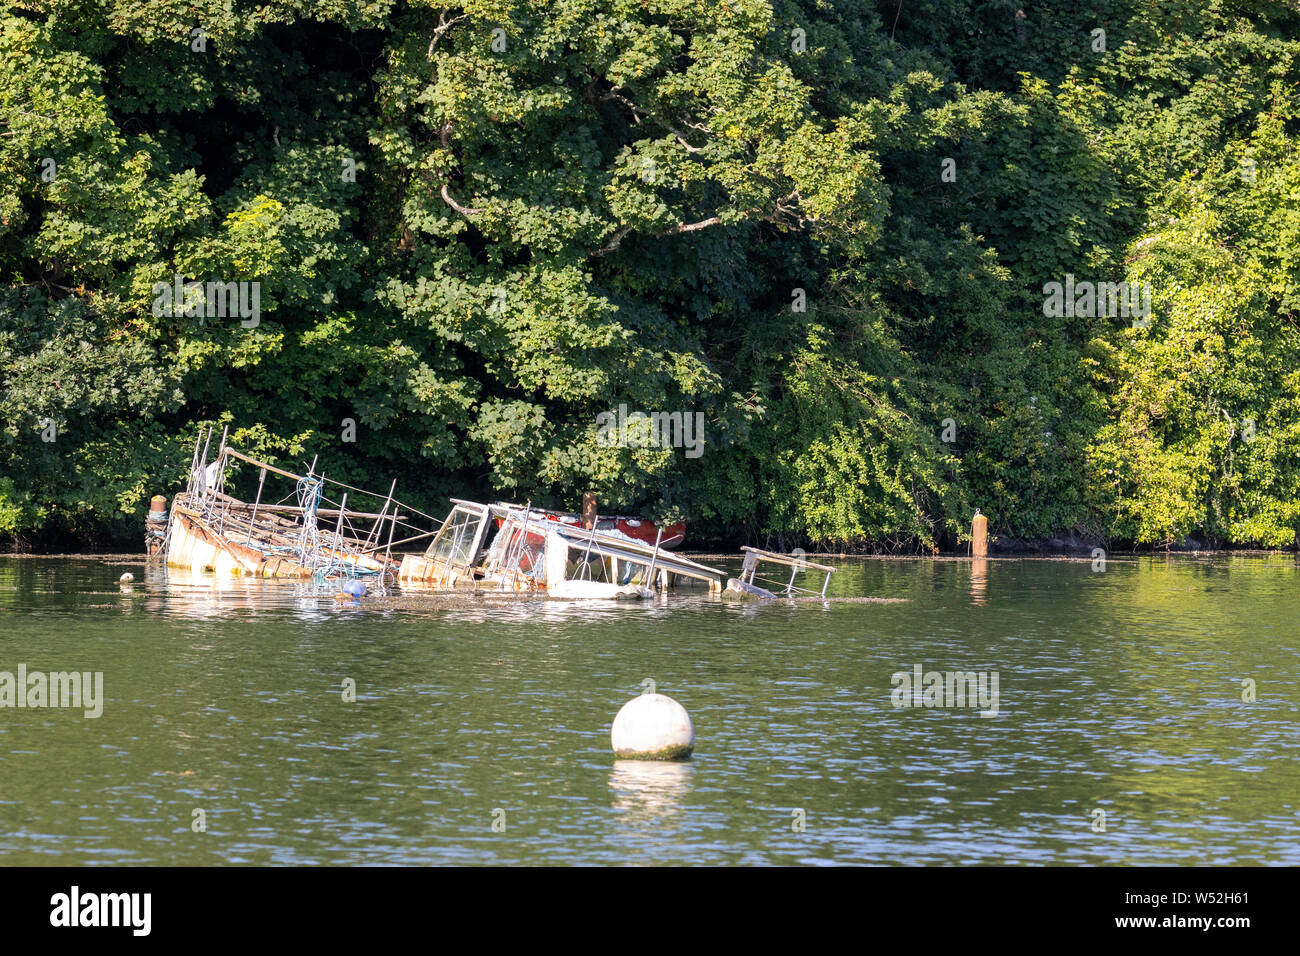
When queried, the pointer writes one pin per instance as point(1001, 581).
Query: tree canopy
point(826, 227)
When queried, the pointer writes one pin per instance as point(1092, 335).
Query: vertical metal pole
point(221, 479)
point(506, 550)
point(590, 539)
point(374, 531)
point(315, 520)
point(522, 541)
point(457, 537)
point(514, 545)
point(221, 457)
point(194, 461)
point(650, 583)
point(392, 526)
point(585, 570)
point(379, 522)
point(338, 527)
point(256, 501)
point(203, 465)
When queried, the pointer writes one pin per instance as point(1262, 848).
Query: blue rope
point(311, 488)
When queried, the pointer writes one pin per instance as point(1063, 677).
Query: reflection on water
point(1119, 690)
point(649, 792)
point(183, 594)
point(979, 573)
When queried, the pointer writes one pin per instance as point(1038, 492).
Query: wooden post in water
point(979, 536)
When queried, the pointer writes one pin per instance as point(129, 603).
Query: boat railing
point(796, 563)
point(312, 524)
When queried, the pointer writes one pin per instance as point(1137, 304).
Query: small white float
point(652, 727)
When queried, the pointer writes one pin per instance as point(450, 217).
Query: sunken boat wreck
point(304, 534)
point(322, 529)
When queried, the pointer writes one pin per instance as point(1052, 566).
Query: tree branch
point(463, 210)
point(638, 113)
point(613, 243)
point(443, 135)
point(681, 227)
point(443, 26)
point(691, 226)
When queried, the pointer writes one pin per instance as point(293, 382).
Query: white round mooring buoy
point(652, 727)
point(126, 578)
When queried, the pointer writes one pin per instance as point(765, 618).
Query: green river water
point(1119, 691)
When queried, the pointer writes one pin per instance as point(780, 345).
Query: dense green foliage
point(827, 225)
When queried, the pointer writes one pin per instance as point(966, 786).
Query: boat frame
point(210, 531)
point(532, 552)
point(745, 586)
